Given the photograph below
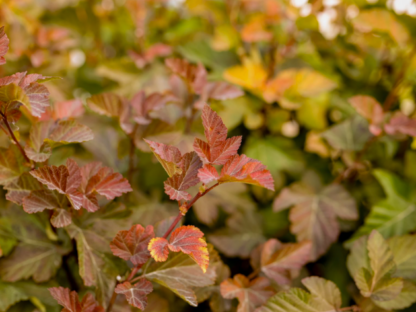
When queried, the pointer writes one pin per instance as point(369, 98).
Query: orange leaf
point(241, 168)
point(250, 294)
point(187, 239)
point(158, 248)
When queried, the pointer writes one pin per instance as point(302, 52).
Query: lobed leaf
point(132, 244)
point(187, 239)
point(314, 214)
point(250, 294)
point(69, 300)
point(4, 45)
point(177, 185)
point(169, 157)
point(136, 294)
point(241, 168)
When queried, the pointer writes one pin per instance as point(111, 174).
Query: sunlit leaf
point(187, 239)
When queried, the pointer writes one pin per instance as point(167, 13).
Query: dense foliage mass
point(211, 155)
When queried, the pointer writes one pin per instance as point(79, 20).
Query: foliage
point(287, 127)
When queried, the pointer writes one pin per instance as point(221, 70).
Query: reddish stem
point(114, 296)
point(187, 207)
point(6, 122)
point(172, 226)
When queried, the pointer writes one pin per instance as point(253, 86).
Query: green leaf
point(35, 255)
point(405, 299)
point(315, 214)
point(278, 154)
point(325, 290)
point(242, 234)
point(10, 294)
point(350, 135)
point(181, 274)
point(376, 282)
point(404, 253)
point(394, 215)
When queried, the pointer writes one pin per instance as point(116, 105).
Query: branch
point(114, 296)
point(186, 208)
point(6, 122)
point(183, 211)
point(393, 92)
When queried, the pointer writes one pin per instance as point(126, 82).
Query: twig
point(186, 208)
point(169, 230)
point(114, 296)
point(393, 92)
point(6, 122)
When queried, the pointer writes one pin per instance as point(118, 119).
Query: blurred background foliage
point(298, 63)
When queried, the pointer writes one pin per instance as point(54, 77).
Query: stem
point(131, 161)
point(393, 92)
point(352, 308)
point(172, 226)
point(114, 296)
point(188, 206)
point(6, 122)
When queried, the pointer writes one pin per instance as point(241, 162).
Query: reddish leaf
point(156, 50)
point(176, 185)
point(69, 300)
point(191, 73)
point(40, 200)
point(219, 149)
point(108, 184)
point(158, 248)
point(136, 294)
point(68, 109)
point(69, 131)
point(401, 124)
point(55, 178)
point(241, 168)
point(250, 294)
point(169, 157)
point(132, 244)
point(371, 110)
point(61, 218)
point(279, 261)
point(4, 45)
point(208, 174)
point(108, 104)
point(187, 239)
point(19, 189)
point(25, 89)
point(88, 171)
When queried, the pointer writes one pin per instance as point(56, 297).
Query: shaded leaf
point(350, 135)
point(69, 300)
point(250, 294)
point(136, 294)
point(169, 157)
point(132, 244)
point(181, 274)
point(314, 214)
point(177, 185)
point(279, 260)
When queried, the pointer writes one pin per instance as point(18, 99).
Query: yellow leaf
point(250, 75)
